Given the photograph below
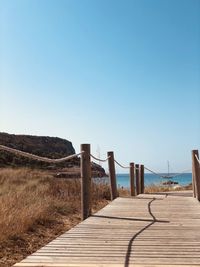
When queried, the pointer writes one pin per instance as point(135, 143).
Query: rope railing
point(151, 171)
point(162, 176)
point(181, 173)
point(197, 159)
point(98, 159)
point(124, 167)
point(136, 187)
point(45, 159)
point(35, 157)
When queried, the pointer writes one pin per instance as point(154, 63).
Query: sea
point(123, 180)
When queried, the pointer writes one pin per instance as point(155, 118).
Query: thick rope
point(124, 167)
point(197, 159)
point(152, 171)
point(35, 157)
point(161, 176)
point(102, 160)
point(181, 173)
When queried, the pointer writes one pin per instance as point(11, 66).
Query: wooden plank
point(159, 230)
point(98, 265)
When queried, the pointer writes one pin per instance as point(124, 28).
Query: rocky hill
point(45, 146)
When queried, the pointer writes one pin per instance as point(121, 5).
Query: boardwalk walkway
point(147, 230)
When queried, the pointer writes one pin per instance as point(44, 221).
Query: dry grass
point(32, 200)
point(159, 188)
point(123, 192)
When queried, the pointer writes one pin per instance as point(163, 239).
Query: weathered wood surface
point(147, 230)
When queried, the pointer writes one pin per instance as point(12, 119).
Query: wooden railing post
point(196, 174)
point(132, 176)
point(112, 175)
point(137, 178)
point(193, 180)
point(85, 181)
point(142, 179)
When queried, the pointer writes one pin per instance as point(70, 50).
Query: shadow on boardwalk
point(128, 253)
point(152, 221)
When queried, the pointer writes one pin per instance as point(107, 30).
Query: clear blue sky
point(121, 75)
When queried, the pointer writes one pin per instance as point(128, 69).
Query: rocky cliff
point(45, 146)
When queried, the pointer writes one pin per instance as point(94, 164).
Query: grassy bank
point(35, 207)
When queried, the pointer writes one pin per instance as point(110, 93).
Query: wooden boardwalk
point(147, 230)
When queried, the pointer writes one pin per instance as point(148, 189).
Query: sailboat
point(167, 176)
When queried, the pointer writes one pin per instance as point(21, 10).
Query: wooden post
point(132, 176)
point(137, 174)
point(196, 173)
point(193, 181)
point(142, 178)
point(112, 175)
point(85, 181)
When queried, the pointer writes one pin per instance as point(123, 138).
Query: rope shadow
point(152, 221)
point(128, 253)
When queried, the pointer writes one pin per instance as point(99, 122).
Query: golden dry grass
point(159, 188)
point(31, 199)
point(123, 192)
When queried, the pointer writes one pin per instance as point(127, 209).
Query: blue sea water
point(151, 179)
point(123, 180)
